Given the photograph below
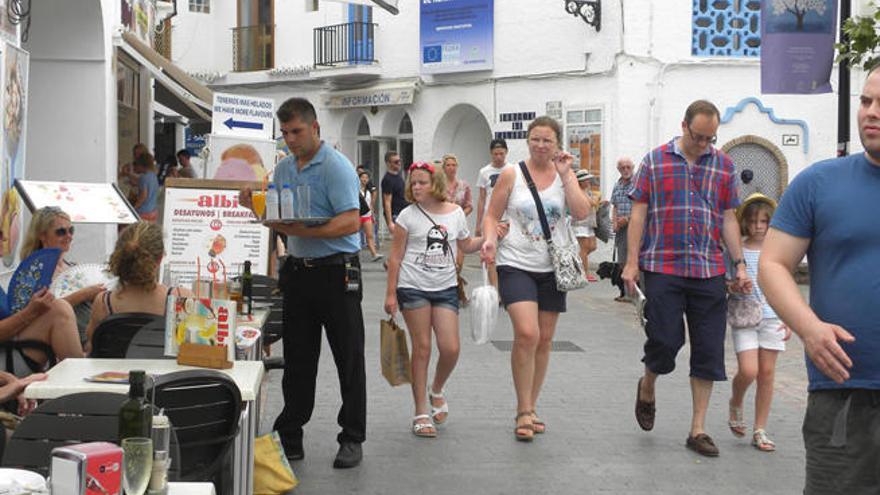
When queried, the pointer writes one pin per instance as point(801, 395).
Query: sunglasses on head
point(61, 232)
point(422, 166)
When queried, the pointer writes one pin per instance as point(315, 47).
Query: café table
point(68, 377)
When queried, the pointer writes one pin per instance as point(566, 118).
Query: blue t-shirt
point(334, 189)
point(833, 203)
point(148, 181)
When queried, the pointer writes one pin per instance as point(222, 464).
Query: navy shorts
point(515, 285)
point(409, 298)
point(704, 303)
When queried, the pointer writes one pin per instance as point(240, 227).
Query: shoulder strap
point(545, 227)
point(426, 214)
point(107, 302)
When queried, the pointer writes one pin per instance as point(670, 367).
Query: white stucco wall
point(71, 132)
point(203, 42)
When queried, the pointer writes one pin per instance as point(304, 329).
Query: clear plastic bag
point(484, 310)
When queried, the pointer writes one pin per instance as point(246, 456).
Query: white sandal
point(762, 442)
point(418, 429)
point(444, 409)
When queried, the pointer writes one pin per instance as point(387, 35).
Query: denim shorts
point(515, 285)
point(409, 298)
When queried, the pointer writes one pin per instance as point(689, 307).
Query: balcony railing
point(350, 43)
point(253, 47)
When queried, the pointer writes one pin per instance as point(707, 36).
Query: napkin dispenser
point(87, 469)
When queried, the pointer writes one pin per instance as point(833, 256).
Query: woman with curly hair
point(135, 260)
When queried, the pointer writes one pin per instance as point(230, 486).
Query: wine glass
point(137, 458)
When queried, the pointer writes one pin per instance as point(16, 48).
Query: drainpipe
point(843, 87)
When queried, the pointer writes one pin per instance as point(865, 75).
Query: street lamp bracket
point(589, 10)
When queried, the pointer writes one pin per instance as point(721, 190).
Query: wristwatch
point(738, 262)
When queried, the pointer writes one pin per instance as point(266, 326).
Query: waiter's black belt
point(332, 260)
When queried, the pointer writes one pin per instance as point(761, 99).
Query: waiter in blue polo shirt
point(321, 284)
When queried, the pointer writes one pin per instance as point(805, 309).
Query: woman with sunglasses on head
point(526, 281)
point(422, 284)
point(50, 227)
point(135, 260)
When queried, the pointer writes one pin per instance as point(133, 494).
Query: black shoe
point(349, 455)
point(294, 452)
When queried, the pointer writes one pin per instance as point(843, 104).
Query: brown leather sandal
point(524, 432)
point(538, 424)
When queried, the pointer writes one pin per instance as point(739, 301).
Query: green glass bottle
point(135, 415)
point(247, 288)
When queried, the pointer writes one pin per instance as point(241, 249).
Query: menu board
point(84, 202)
point(208, 234)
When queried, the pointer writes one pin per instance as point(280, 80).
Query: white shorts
point(767, 335)
point(583, 230)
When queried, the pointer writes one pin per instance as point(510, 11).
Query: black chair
point(15, 362)
point(113, 335)
point(204, 407)
point(70, 419)
point(148, 342)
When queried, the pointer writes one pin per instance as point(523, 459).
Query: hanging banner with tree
point(797, 46)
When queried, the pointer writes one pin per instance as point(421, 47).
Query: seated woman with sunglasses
point(135, 260)
point(50, 228)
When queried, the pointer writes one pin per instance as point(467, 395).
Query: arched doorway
point(464, 131)
point(405, 140)
point(760, 166)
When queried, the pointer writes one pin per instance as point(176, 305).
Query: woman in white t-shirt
point(422, 283)
point(526, 282)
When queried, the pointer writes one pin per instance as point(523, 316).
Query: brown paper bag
point(394, 353)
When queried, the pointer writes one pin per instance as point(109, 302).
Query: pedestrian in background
point(367, 217)
point(486, 182)
point(621, 206)
point(683, 204)
point(526, 281)
point(458, 191)
point(146, 203)
point(756, 347)
point(422, 284)
point(828, 213)
point(584, 230)
point(393, 186)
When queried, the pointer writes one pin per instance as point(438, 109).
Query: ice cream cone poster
point(236, 158)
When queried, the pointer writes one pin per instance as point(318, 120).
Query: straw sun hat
point(754, 198)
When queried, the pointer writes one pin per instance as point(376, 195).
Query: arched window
point(760, 166)
point(363, 127)
point(406, 126)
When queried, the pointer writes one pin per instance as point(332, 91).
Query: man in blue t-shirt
point(321, 284)
point(829, 214)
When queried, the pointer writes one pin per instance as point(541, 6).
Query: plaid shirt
point(686, 205)
point(620, 197)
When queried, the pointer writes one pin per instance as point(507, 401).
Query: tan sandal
point(524, 432)
point(538, 424)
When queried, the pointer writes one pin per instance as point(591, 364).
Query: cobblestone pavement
point(592, 444)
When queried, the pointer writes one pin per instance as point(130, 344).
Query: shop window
point(583, 131)
point(200, 6)
point(726, 28)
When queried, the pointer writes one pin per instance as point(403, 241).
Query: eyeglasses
point(702, 139)
point(61, 231)
point(422, 166)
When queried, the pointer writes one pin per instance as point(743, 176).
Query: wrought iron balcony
point(350, 43)
point(253, 47)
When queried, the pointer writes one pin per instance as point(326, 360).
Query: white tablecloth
point(181, 488)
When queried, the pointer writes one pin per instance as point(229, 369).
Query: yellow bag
point(395, 353)
point(272, 473)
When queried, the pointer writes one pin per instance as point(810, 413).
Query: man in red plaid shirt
point(684, 199)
